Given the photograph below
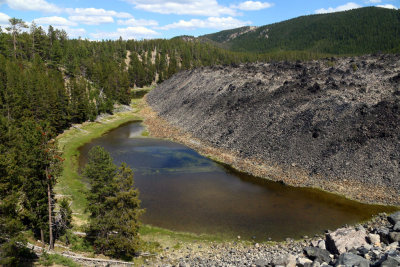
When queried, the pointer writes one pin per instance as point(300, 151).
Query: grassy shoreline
point(69, 183)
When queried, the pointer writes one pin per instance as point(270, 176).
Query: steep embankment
point(332, 124)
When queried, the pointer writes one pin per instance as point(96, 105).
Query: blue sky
point(144, 19)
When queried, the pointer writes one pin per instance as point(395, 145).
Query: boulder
point(394, 218)
point(383, 232)
point(321, 244)
point(396, 227)
point(287, 260)
point(350, 260)
point(392, 259)
point(261, 262)
point(303, 262)
point(392, 246)
point(374, 239)
point(317, 254)
point(390, 263)
point(344, 239)
point(394, 236)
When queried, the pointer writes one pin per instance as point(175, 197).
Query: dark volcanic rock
point(349, 259)
point(383, 232)
point(394, 236)
point(320, 255)
point(334, 123)
point(394, 218)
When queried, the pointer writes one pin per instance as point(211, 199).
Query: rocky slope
point(332, 124)
point(375, 243)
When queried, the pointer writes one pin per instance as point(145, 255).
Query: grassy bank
point(69, 183)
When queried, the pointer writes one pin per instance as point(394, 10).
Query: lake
point(184, 191)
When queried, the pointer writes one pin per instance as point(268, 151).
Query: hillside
point(358, 31)
point(331, 124)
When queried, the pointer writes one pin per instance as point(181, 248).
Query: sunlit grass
point(70, 183)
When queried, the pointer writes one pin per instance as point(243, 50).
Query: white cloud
point(72, 32)
point(4, 18)
point(184, 7)
point(212, 22)
point(33, 5)
point(373, 1)
point(55, 21)
point(344, 7)
point(387, 6)
point(252, 5)
point(97, 12)
point(126, 33)
point(95, 16)
point(138, 22)
point(92, 20)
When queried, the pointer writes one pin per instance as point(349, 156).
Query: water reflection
point(184, 191)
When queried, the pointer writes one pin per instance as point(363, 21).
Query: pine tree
point(12, 241)
point(15, 28)
point(113, 204)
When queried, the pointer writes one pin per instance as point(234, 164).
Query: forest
point(352, 32)
point(49, 82)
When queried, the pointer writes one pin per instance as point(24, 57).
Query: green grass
point(70, 182)
point(51, 259)
point(145, 133)
point(138, 93)
point(148, 232)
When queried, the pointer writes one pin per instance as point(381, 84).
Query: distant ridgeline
point(358, 31)
point(48, 82)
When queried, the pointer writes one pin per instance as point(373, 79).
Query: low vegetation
point(49, 83)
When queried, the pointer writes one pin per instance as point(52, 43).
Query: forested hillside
point(358, 31)
point(47, 83)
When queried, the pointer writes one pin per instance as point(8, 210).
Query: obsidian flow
point(184, 191)
point(336, 117)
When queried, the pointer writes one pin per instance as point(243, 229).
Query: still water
point(184, 191)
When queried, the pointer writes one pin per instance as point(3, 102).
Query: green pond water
point(184, 191)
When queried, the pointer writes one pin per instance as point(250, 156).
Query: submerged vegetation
point(49, 83)
point(113, 204)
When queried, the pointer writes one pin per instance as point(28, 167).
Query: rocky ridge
point(331, 124)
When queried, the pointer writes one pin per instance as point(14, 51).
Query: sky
point(149, 19)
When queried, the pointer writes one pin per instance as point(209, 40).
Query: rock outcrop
point(302, 253)
point(332, 124)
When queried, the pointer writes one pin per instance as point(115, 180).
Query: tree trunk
point(33, 44)
point(50, 220)
point(15, 45)
point(42, 237)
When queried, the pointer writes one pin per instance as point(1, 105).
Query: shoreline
point(176, 247)
point(291, 175)
point(69, 183)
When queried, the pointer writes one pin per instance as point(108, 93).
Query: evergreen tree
point(15, 28)
point(63, 219)
point(12, 241)
point(113, 204)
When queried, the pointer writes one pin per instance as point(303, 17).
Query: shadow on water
point(184, 191)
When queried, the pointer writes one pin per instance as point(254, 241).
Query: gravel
point(292, 253)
